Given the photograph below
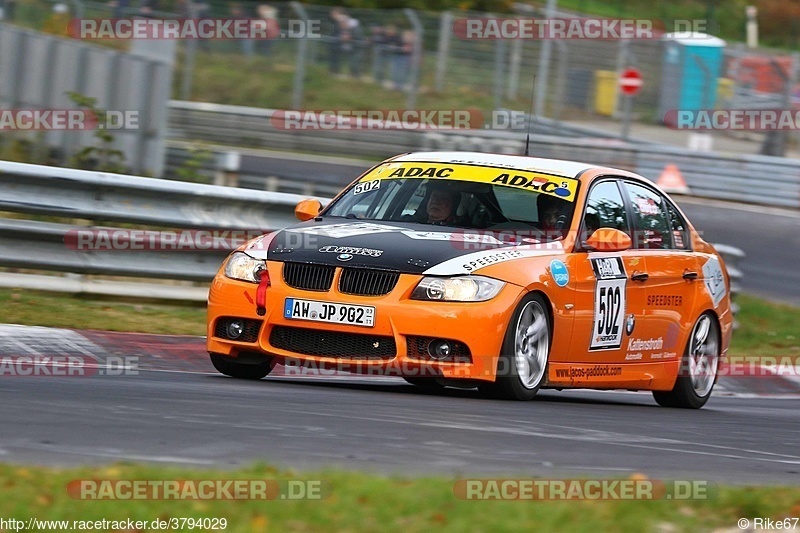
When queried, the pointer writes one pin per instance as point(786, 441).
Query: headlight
point(243, 267)
point(457, 289)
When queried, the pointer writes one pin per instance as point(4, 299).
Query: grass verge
point(766, 328)
point(36, 308)
point(368, 502)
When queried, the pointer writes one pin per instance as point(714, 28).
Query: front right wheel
point(698, 371)
point(522, 367)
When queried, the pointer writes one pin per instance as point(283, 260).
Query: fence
point(576, 78)
point(42, 70)
point(33, 190)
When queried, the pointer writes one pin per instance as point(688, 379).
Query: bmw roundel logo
point(344, 257)
point(629, 324)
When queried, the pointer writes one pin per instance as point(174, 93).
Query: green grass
point(89, 312)
point(766, 328)
point(367, 502)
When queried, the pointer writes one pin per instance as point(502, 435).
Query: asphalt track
point(175, 409)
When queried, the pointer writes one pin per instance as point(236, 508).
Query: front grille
point(332, 344)
point(366, 282)
point(249, 331)
point(417, 348)
point(308, 277)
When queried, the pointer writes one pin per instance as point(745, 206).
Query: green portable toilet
point(691, 67)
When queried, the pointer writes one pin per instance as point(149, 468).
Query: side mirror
point(608, 240)
point(307, 209)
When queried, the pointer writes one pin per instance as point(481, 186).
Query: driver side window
point(604, 209)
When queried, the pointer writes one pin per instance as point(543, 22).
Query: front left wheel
point(522, 367)
point(247, 367)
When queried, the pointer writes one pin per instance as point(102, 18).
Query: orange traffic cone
point(672, 181)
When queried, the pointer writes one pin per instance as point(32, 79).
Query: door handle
point(640, 276)
point(690, 274)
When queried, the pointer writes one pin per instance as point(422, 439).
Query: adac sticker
point(559, 272)
point(559, 186)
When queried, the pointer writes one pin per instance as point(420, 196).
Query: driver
point(441, 207)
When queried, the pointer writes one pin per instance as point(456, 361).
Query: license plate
point(356, 315)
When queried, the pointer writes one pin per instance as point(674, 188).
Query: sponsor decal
point(713, 280)
point(559, 272)
point(664, 300)
point(594, 371)
point(647, 206)
point(558, 186)
point(466, 264)
point(367, 186)
point(338, 231)
point(421, 172)
point(677, 236)
point(609, 303)
point(645, 344)
point(351, 251)
point(477, 238)
point(633, 357)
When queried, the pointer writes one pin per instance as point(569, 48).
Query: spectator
point(119, 8)
point(353, 47)
point(401, 60)
point(148, 8)
point(268, 14)
point(238, 12)
point(377, 37)
point(335, 42)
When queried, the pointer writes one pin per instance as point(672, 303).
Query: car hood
point(398, 246)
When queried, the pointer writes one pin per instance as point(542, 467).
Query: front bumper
point(480, 326)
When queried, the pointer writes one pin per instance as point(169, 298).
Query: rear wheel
point(522, 366)
point(698, 371)
point(248, 366)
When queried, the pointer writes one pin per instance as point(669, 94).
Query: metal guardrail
point(99, 197)
point(755, 179)
point(112, 198)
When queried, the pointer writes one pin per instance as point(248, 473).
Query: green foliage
point(191, 169)
point(496, 6)
point(103, 156)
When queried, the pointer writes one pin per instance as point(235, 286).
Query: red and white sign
point(630, 81)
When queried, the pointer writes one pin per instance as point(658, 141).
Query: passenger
point(552, 213)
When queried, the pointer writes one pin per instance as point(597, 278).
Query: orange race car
point(505, 273)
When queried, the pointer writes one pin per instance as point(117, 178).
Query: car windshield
point(462, 196)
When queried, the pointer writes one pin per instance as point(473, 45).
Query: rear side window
point(652, 227)
point(604, 209)
point(680, 230)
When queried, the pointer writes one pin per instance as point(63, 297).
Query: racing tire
point(522, 366)
point(699, 367)
point(253, 369)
